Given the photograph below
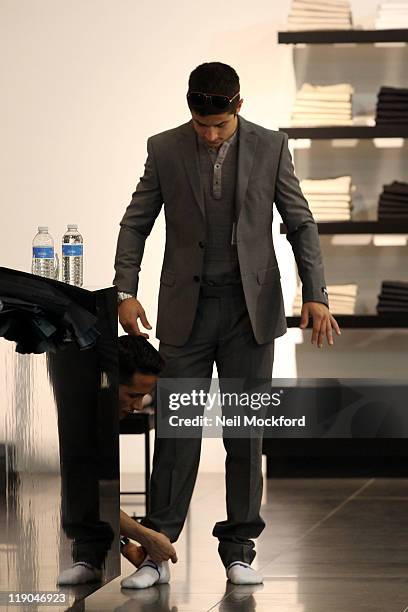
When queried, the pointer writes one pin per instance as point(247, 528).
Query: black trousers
point(222, 334)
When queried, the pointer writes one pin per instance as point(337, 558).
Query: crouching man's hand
point(130, 310)
point(158, 546)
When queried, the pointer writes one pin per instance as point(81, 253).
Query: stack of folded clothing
point(323, 105)
point(393, 202)
point(393, 297)
point(320, 15)
point(329, 199)
point(392, 105)
point(392, 15)
point(342, 299)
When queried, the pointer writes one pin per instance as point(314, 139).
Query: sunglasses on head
point(199, 99)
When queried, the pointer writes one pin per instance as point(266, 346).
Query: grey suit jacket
point(265, 175)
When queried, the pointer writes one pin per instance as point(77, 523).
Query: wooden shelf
point(362, 321)
point(347, 131)
point(327, 37)
point(397, 226)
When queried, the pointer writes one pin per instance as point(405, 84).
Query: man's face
point(132, 394)
point(215, 129)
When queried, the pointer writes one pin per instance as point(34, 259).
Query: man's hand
point(323, 322)
point(130, 310)
point(158, 546)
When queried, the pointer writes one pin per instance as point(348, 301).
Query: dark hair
point(215, 78)
point(137, 355)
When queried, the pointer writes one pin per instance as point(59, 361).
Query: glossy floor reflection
point(332, 545)
point(33, 546)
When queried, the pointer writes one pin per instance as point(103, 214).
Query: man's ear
point(239, 106)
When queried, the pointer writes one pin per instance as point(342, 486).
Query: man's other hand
point(130, 310)
point(323, 322)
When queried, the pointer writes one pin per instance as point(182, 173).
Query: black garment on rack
point(389, 114)
point(393, 297)
point(389, 121)
point(393, 91)
point(41, 315)
point(393, 201)
point(392, 106)
point(397, 187)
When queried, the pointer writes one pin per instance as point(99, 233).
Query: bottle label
point(43, 252)
point(72, 250)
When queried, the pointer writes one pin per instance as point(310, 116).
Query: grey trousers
point(222, 334)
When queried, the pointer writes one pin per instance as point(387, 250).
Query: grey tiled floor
point(337, 545)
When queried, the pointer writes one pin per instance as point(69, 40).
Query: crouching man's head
point(139, 367)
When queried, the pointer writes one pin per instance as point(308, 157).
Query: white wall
point(85, 82)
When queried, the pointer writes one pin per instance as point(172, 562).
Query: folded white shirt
point(329, 3)
point(338, 184)
point(320, 122)
point(300, 5)
point(329, 210)
point(383, 11)
point(338, 87)
point(319, 20)
point(321, 198)
point(313, 27)
point(315, 106)
point(320, 217)
point(398, 24)
point(330, 219)
point(320, 116)
point(392, 6)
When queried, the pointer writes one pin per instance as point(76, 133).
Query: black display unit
point(352, 457)
point(327, 37)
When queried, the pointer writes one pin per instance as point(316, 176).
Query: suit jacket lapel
point(188, 147)
point(246, 153)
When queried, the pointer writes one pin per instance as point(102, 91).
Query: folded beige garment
point(320, 116)
point(330, 3)
point(319, 7)
point(321, 107)
point(328, 205)
point(296, 27)
point(318, 98)
point(319, 20)
point(298, 12)
point(320, 123)
point(329, 210)
point(329, 185)
point(322, 196)
point(327, 199)
point(396, 24)
point(316, 107)
point(337, 88)
point(331, 219)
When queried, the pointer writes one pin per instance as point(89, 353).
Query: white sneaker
point(147, 574)
point(242, 573)
point(80, 573)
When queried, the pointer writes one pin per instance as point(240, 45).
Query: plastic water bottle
point(43, 262)
point(72, 256)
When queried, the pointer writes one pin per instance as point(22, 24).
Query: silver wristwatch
point(122, 295)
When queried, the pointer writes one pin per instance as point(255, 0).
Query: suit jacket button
point(201, 244)
point(196, 278)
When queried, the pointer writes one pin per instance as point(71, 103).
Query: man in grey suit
point(220, 297)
